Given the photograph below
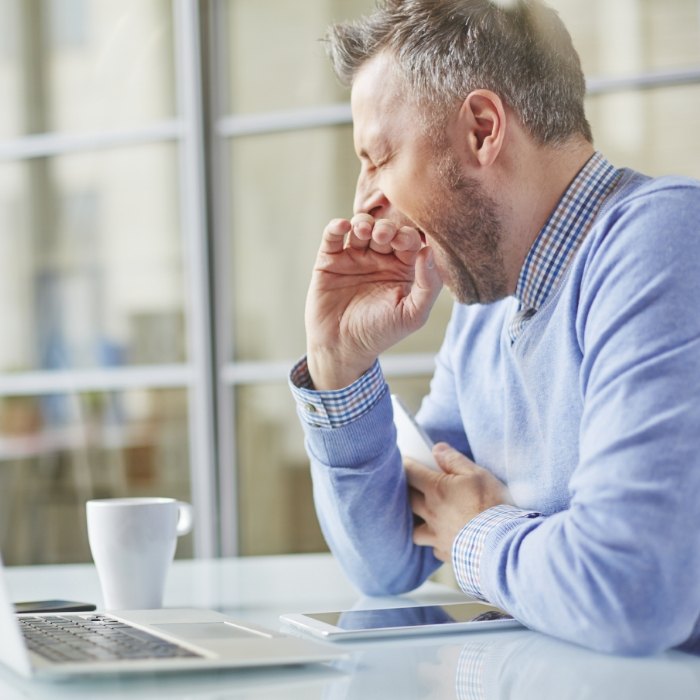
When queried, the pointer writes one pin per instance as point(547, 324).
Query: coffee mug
point(133, 541)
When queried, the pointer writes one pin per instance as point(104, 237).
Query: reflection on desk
point(495, 665)
point(515, 666)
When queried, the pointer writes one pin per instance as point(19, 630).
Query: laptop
point(57, 646)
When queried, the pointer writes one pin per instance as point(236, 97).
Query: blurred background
point(166, 168)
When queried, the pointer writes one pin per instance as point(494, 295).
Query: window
point(166, 168)
point(99, 380)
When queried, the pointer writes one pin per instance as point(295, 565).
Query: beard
point(467, 236)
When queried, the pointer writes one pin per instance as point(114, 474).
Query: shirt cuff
point(469, 543)
point(334, 409)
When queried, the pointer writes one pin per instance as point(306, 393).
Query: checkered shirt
point(561, 237)
point(334, 409)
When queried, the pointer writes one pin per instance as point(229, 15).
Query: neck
point(535, 183)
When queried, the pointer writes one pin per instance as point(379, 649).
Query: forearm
point(362, 503)
point(361, 497)
point(569, 576)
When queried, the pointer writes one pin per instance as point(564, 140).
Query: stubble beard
point(467, 235)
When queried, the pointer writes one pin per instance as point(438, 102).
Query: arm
point(373, 284)
point(618, 570)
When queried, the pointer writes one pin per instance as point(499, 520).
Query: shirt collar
point(564, 231)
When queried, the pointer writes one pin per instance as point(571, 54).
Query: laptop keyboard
point(71, 638)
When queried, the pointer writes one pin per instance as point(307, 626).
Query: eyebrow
point(382, 148)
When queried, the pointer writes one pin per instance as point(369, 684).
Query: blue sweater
point(591, 417)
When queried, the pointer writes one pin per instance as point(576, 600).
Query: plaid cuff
point(469, 544)
point(334, 409)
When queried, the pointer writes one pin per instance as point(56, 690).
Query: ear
point(483, 118)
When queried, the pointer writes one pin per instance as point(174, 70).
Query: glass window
point(59, 450)
point(653, 131)
point(410, 389)
point(82, 65)
point(633, 36)
point(275, 59)
point(91, 264)
point(10, 77)
point(275, 505)
point(274, 477)
point(286, 187)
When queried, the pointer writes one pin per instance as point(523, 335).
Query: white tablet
point(412, 440)
point(470, 616)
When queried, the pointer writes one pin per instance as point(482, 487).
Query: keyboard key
point(75, 638)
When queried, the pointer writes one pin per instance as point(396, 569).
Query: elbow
point(375, 585)
point(390, 578)
point(633, 629)
point(378, 589)
point(630, 644)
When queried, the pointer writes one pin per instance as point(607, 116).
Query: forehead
point(380, 110)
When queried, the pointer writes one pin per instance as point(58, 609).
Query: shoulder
point(641, 204)
point(640, 262)
point(649, 227)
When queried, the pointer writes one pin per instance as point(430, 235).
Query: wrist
point(330, 370)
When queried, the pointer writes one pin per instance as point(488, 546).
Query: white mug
point(133, 541)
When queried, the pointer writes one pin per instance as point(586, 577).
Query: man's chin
point(468, 293)
point(462, 287)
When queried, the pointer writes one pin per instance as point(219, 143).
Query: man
point(566, 396)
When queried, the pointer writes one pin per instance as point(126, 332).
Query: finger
point(419, 476)
point(441, 555)
point(360, 232)
point(384, 237)
point(333, 238)
point(417, 501)
point(423, 535)
point(362, 225)
point(426, 286)
point(358, 242)
point(407, 239)
point(383, 248)
point(453, 461)
point(384, 231)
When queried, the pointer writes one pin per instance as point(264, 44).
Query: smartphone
point(412, 440)
point(45, 606)
point(470, 616)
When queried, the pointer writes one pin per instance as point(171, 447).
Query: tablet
point(411, 439)
point(470, 616)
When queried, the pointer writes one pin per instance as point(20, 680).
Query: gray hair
point(445, 49)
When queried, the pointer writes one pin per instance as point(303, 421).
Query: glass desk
point(514, 664)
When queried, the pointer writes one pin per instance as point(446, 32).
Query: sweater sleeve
point(360, 489)
point(618, 570)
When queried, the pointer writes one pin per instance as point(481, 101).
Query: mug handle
point(185, 518)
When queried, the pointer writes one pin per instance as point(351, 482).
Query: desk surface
point(515, 664)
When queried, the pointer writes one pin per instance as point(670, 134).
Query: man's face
point(412, 177)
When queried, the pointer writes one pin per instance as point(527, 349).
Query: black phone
point(44, 606)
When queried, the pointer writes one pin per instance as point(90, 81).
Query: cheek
point(410, 194)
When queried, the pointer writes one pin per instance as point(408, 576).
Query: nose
point(369, 199)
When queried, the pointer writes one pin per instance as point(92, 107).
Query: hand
point(374, 283)
point(448, 500)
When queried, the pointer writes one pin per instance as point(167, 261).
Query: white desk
point(509, 664)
